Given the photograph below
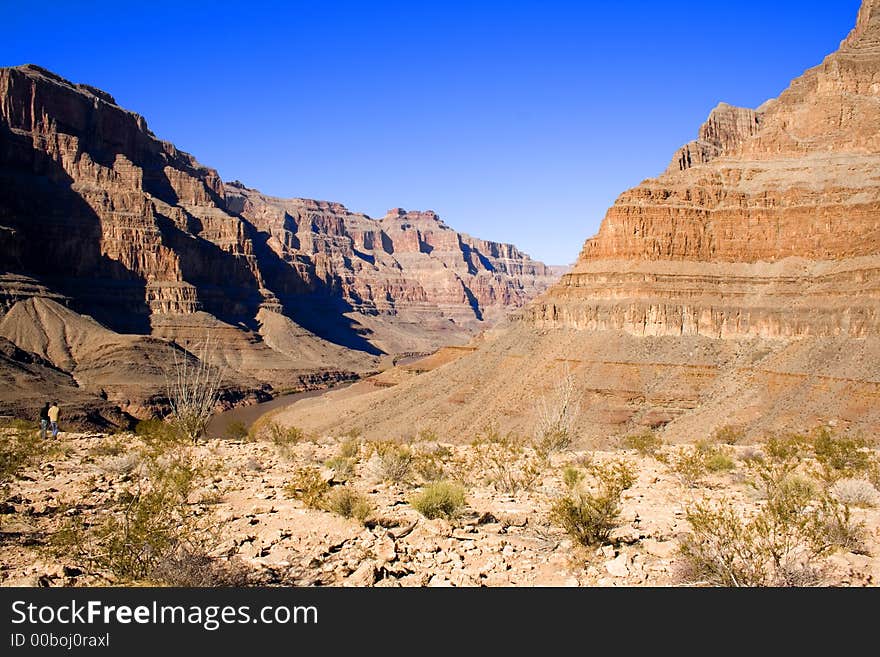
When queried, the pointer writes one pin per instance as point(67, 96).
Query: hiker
point(44, 420)
point(53, 418)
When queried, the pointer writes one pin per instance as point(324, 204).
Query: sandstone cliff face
point(98, 214)
point(768, 225)
point(741, 286)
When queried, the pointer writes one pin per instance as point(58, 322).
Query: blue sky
point(516, 121)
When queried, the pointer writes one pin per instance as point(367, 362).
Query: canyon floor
point(251, 494)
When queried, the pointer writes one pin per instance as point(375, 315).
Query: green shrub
point(589, 517)
point(441, 499)
point(18, 450)
point(572, 477)
point(348, 503)
point(308, 486)
point(152, 523)
point(646, 443)
point(719, 461)
point(839, 456)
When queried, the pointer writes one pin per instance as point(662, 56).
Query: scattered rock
point(618, 567)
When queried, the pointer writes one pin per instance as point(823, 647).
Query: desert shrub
point(787, 447)
point(192, 386)
point(275, 433)
point(18, 425)
point(106, 447)
point(427, 436)
point(391, 462)
point(506, 462)
point(832, 525)
point(151, 523)
point(193, 568)
point(18, 450)
point(237, 430)
point(572, 477)
point(589, 517)
point(839, 456)
point(873, 472)
point(718, 460)
point(779, 546)
point(343, 468)
point(557, 415)
point(350, 448)
point(430, 467)
point(646, 443)
point(309, 486)
point(348, 503)
point(689, 464)
point(441, 499)
point(729, 434)
point(855, 492)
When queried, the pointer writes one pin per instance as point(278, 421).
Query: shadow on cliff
point(56, 237)
point(314, 305)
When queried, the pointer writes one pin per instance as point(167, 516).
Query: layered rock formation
point(742, 286)
point(136, 237)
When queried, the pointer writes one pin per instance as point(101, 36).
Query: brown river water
point(247, 415)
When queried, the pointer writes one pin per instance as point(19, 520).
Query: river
point(247, 415)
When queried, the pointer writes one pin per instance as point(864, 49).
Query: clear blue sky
point(516, 121)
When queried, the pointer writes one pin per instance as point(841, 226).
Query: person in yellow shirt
point(53, 419)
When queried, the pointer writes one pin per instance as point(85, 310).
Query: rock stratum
point(741, 286)
point(114, 243)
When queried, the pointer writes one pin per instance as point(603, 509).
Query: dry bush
point(192, 385)
point(779, 546)
point(194, 568)
point(689, 464)
point(718, 460)
point(343, 468)
point(557, 415)
point(391, 462)
point(350, 448)
point(505, 462)
point(441, 499)
point(106, 447)
point(589, 517)
point(309, 486)
point(729, 434)
point(855, 492)
point(645, 443)
point(348, 503)
point(269, 430)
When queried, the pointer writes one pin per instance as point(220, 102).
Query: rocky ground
point(498, 539)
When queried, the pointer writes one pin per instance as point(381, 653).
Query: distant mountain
point(98, 217)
